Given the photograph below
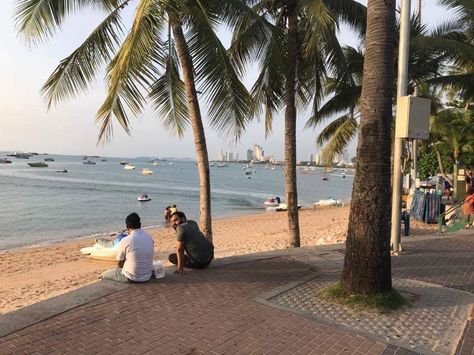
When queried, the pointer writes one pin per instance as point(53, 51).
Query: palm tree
point(367, 259)
point(296, 45)
point(430, 52)
point(146, 66)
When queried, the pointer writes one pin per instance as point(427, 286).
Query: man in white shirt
point(134, 254)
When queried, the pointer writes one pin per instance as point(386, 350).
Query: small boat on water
point(89, 162)
point(5, 161)
point(129, 167)
point(272, 201)
point(63, 171)
point(123, 162)
point(104, 160)
point(48, 159)
point(38, 164)
point(144, 198)
point(146, 171)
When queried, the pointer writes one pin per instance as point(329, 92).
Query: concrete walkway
point(228, 308)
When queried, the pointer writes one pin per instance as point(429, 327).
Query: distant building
point(221, 156)
point(237, 156)
point(311, 158)
point(249, 154)
point(258, 153)
point(229, 156)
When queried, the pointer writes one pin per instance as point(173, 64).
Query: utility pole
point(402, 84)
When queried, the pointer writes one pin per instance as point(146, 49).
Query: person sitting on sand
point(193, 249)
point(134, 254)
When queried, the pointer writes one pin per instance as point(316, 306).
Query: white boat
point(329, 202)
point(89, 162)
point(101, 252)
point(129, 167)
point(5, 161)
point(222, 165)
point(283, 207)
point(146, 171)
point(144, 198)
point(123, 162)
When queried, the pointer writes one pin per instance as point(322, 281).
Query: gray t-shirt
point(195, 243)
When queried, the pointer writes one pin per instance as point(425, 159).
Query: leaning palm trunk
point(367, 259)
point(441, 166)
point(290, 132)
point(198, 129)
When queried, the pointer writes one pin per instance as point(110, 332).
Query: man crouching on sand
point(199, 250)
point(134, 254)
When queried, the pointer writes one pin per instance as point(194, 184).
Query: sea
point(41, 205)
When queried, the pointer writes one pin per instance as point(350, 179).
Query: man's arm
point(120, 264)
point(180, 256)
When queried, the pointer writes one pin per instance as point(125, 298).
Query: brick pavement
point(212, 312)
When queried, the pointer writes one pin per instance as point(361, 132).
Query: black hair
point(133, 221)
point(180, 214)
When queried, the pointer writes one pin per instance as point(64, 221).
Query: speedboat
point(272, 202)
point(129, 167)
point(48, 159)
point(89, 162)
point(5, 161)
point(144, 198)
point(146, 171)
point(64, 171)
point(38, 164)
point(123, 162)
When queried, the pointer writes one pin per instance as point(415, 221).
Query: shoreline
point(41, 272)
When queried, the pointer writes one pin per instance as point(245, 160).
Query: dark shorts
point(190, 263)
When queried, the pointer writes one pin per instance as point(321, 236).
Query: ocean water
point(39, 205)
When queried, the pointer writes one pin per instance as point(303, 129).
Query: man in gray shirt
point(134, 254)
point(193, 249)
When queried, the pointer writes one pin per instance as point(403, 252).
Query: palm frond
point(461, 82)
point(337, 136)
point(37, 20)
point(230, 104)
point(169, 95)
point(132, 70)
point(75, 73)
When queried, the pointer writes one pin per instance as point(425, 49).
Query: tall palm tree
point(146, 66)
point(367, 258)
point(295, 43)
point(430, 53)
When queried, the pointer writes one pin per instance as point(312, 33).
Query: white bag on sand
point(159, 270)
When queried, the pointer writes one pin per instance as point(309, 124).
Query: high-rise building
point(249, 154)
point(258, 153)
point(311, 158)
point(237, 156)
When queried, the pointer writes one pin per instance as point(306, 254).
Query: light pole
point(402, 83)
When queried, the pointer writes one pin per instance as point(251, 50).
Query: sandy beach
point(37, 273)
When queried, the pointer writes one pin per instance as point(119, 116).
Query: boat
point(38, 164)
point(123, 162)
point(129, 167)
point(248, 172)
point(222, 165)
point(85, 157)
point(104, 160)
point(89, 162)
point(20, 155)
point(104, 249)
point(212, 164)
point(144, 198)
point(272, 202)
point(64, 171)
point(170, 163)
point(146, 171)
point(328, 202)
point(48, 159)
point(5, 161)
point(283, 207)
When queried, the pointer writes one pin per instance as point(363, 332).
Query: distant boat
point(146, 171)
point(123, 162)
point(64, 171)
point(89, 162)
point(20, 155)
point(170, 163)
point(48, 159)
point(144, 198)
point(85, 157)
point(38, 164)
point(104, 160)
point(212, 164)
point(222, 165)
point(129, 167)
point(5, 161)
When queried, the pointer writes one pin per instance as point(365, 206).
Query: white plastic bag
point(159, 270)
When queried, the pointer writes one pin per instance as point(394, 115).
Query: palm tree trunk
point(367, 259)
point(198, 130)
point(441, 166)
point(290, 130)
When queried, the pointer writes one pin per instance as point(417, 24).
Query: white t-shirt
point(137, 251)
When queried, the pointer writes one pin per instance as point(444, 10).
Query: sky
point(70, 128)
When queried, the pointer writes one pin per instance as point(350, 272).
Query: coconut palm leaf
point(168, 94)
point(75, 73)
point(230, 104)
point(336, 136)
point(132, 70)
point(464, 83)
point(37, 20)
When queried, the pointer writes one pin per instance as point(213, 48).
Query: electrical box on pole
point(413, 117)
